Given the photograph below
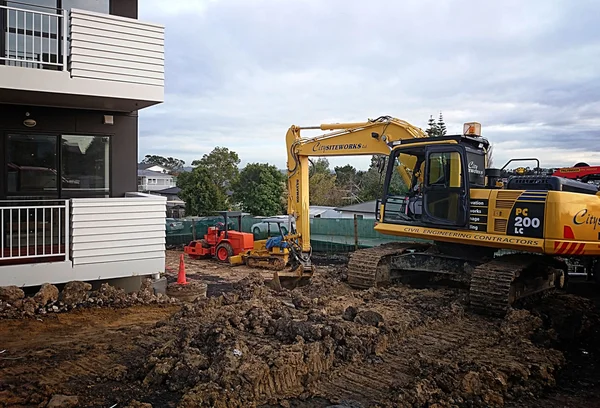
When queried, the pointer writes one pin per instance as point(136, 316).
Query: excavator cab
point(441, 175)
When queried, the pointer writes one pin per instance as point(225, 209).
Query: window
point(31, 34)
point(444, 199)
point(32, 165)
point(58, 166)
point(44, 6)
point(444, 169)
point(98, 6)
point(85, 165)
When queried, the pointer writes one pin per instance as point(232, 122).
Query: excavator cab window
point(403, 197)
point(438, 190)
point(446, 192)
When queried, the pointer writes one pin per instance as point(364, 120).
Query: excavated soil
point(245, 345)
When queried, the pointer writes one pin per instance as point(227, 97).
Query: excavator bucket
point(291, 279)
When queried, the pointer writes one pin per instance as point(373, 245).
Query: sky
point(239, 73)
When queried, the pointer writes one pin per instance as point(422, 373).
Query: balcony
point(81, 239)
point(80, 59)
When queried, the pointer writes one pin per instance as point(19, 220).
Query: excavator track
point(497, 285)
point(490, 286)
point(370, 267)
point(268, 263)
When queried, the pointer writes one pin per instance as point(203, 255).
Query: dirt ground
point(316, 346)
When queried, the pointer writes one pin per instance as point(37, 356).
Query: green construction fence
point(328, 235)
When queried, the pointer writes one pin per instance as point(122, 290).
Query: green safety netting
point(330, 235)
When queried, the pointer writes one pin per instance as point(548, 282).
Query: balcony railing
point(34, 231)
point(34, 39)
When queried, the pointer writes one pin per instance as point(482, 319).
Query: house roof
point(169, 191)
point(151, 173)
point(368, 207)
point(315, 210)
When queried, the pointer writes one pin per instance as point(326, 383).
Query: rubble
point(47, 294)
point(323, 344)
point(63, 401)
point(75, 294)
point(11, 294)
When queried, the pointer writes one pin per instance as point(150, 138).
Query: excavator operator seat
point(415, 206)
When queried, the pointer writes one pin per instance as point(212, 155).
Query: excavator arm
point(374, 137)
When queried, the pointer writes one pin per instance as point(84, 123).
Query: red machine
point(581, 171)
point(221, 242)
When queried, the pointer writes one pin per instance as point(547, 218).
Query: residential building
point(175, 205)
point(364, 210)
point(149, 181)
point(322, 211)
point(73, 76)
point(152, 167)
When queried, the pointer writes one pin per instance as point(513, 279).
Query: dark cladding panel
point(123, 134)
point(124, 8)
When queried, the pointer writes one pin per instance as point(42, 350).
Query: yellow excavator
point(505, 241)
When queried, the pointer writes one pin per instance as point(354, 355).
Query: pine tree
point(441, 126)
point(432, 129)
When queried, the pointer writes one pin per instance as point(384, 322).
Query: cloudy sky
point(240, 72)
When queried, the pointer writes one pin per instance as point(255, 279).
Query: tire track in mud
point(471, 357)
point(375, 382)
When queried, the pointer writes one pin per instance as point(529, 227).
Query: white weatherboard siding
point(110, 238)
point(118, 230)
point(114, 48)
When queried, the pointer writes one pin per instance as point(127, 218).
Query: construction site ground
point(321, 345)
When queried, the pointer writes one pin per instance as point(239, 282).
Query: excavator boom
point(374, 137)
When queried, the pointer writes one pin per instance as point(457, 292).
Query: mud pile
point(15, 304)
point(497, 363)
point(254, 345)
point(396, 347)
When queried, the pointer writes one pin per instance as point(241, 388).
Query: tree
point(323, 191)
point(259, 189)
point(172, 164)
point(490, 156)
point(372, 180)
point(222, 164)
point(441, 126)
point(323, 188)
point(347, 181)
point(435, 129)
point(345, 176)
point(321, 165)
point(200, 193)
point(432, 129)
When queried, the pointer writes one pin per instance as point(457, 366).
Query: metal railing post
point(65, 39)
point(67, 230)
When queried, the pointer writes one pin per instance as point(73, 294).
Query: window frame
point(88, 193)
point(58, 194)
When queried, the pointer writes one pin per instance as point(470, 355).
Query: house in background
point(149, 181)
point(73, 76)
point(175, 205)
point(152, 167)
point(322, 211)
point(364, 210)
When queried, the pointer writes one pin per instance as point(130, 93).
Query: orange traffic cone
point(181, 275)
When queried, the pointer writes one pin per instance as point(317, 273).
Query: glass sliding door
point(43, 166)
point(85, 166)
point(32, 165)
